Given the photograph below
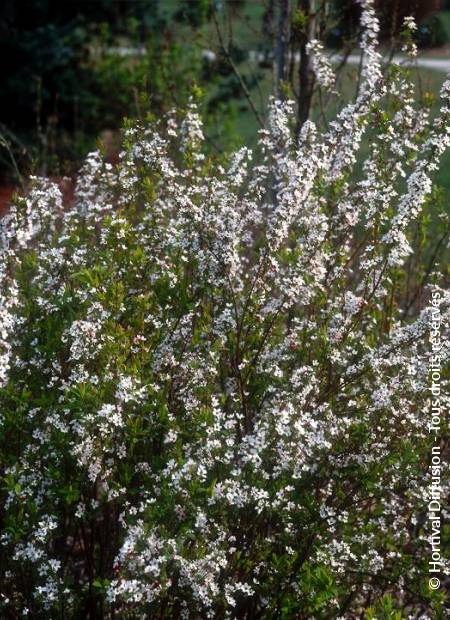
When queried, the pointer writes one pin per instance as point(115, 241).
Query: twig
point(427, 273)
point(229, 58)
point(4, 142)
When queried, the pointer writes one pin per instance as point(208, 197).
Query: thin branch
point(427, 273)
point(229, 58)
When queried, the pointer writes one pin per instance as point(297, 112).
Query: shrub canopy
point(214, 395)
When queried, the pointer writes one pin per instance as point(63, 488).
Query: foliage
point(47, 43)
point(205, 366)
point(434, 31)
point(65, 62)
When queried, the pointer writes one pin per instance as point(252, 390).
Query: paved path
point(438, 64)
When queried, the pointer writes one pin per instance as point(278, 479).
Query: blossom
point(214, 373)
point(321, 65)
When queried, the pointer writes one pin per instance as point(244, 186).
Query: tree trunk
point(305, 72)
point(281, 46)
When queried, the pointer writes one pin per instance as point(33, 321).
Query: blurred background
point(71, 71)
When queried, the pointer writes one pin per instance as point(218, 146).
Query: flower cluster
point(214, 374)
point(321, 65)
point(409, 28)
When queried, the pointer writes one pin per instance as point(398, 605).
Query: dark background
point(71, 71)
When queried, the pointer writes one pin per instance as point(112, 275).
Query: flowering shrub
point(214, 375)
